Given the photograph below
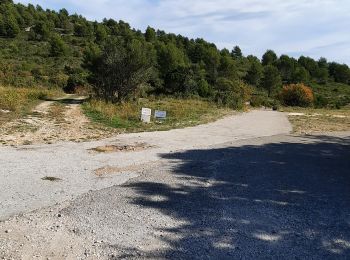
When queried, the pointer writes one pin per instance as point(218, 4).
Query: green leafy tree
point(101, 33)
point(237, 52)
point(340, 72)
point(310, 65)
point(228, 68)
point(63, 12)
point(67, 26)
point(171, 60)
point(286, 67)
point(204, 89)
point(83, 29)
point(271, 80)
point(322, 63)
point(254, 73)
point(211, 60)
point(300, 75)
point(2, 26)
point(323, 70)
point(9, 26)
point(120, 68)
point(57, 46)
point(269, 58)
point(41, 31)
point(150, 34)
point(322, 75)
point(4, 2)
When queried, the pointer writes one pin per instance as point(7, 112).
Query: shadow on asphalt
point(279, 200)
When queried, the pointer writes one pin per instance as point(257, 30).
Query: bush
point(204, 90)
point(297, 95)
point(58, 47)
point(74, 82)
point(320, 101)
point(229, 99)
point(19, 99)
point(259, 100)
point(232, 94)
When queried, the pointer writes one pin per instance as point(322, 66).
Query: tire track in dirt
point(53, 121)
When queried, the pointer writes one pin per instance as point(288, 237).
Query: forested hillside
point(58, 49)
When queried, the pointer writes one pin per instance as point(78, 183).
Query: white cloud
point(311, 27)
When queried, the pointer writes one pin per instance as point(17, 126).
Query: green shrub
point(229, 99)
point(74, 81)
point(320, 101)
point(204, 90)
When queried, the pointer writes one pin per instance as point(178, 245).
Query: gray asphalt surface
point(280, 197)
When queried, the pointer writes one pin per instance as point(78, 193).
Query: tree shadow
point(278, 200)
point(69, 101)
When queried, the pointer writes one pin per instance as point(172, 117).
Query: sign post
point(146, 115)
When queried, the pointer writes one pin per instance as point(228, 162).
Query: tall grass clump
point(18, 100)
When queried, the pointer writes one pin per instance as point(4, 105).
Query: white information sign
point(146, 111)
point(146, 115)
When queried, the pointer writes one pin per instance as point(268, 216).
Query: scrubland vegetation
point(119, 66)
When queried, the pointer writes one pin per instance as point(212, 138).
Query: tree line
point(121, 62)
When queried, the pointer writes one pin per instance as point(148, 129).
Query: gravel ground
point(239, 188)
point(280, 197)
point(76, 168)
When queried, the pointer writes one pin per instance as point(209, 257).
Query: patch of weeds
point(50, 178)
point(27, 142)
point(121, 148)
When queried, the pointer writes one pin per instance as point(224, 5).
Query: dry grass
point(319, 120)
point(121, 148)
point(56, 112)
point(20, 101)
point(180, 113)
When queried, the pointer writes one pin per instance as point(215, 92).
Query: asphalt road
point(279, 197)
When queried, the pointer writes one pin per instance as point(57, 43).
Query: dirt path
point(53, 121)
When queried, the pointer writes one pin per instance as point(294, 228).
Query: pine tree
point(271, 80)
point(11, 27)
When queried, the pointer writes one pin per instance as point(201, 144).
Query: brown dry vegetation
point(318, 120)
point(21, 100)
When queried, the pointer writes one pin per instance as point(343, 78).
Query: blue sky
point(313, 28)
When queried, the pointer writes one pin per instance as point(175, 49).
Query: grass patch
point(180, 113)
point(20, 101)
point(312, 120)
